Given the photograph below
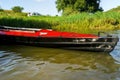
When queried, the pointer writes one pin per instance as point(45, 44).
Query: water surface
point(18, 62)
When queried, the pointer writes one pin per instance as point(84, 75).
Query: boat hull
point(101, 44)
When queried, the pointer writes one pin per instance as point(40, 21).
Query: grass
point(84, 22)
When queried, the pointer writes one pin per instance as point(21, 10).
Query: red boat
point(56, 39)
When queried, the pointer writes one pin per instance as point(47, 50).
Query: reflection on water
point(18, 62)
point(116, 52)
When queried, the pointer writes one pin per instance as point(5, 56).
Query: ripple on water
point(33, 63)
point(8, 60)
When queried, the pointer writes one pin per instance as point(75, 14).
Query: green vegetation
point(84, 22)
point(78, 16)
point(17, 9)
point(116, 9)
point(9, 13)
point(77, 6)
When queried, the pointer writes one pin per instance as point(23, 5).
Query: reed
point(83, 22)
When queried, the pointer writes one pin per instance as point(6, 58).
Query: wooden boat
point(57, 39)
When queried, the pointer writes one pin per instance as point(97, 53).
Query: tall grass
point(84, 22)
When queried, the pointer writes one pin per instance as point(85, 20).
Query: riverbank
point(84, 22)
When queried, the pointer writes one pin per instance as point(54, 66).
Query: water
point(18, 62)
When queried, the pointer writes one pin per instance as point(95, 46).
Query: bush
point(17, 9)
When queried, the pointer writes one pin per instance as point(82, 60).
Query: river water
point(18, 62)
